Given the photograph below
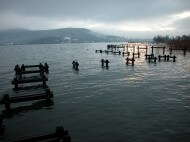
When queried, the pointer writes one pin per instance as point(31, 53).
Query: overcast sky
point(130, 18)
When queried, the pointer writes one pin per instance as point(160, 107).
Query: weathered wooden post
point(123, 53)
point(149, 59)
point(76, 65)
point(127, 60)
point(48, 94)
point(22, 67)
point(174, 58)
point(44, 81)
point(102, 62)
point(138, 49)
point(133, 60)
point(46, 67)
point(170, 50)
point(164, 57)
point(159, 57)
point(138, 54)
point(15, 82)
point(168, 57)
point(146, 49)
point(163, 50)
point(107, 63)
point(155, 59)
point(184, 51)
point(73, 64)
point(152, 50)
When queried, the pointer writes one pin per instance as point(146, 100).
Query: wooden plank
point(59, 135)
point(28, 80)
point(25, 98)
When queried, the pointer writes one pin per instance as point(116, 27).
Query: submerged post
point(152, 49)
point(102, 61)
point(73, 64)
point(170, 50)
point(76, 65)
point(106, 63)
point(184, 51)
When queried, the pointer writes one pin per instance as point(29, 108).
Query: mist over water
point(140, 103)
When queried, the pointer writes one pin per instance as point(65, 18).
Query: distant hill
point(65, 35)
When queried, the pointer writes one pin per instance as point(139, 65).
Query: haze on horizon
point(128, 18)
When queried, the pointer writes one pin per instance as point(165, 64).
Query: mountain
point(65, 35)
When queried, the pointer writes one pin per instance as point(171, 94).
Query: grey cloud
point(182, 26)
point(100, 10)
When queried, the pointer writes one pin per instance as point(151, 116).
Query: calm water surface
point(145, 103)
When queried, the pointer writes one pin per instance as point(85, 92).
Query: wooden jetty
point(108, 51)
point(130, 47)
point(60, 135)
point(117, 52)
point(164, 56)
point(18, 81)
point(7, 100)
point(140, 48)
point(20, 73)
point(45, 66)
point(148, 55)
point(172, 57)
point(104, 61)
point(182, 49)
point(100, 51)
point(150, 58)
point(75, 65)
point(132, 60)
point(125, 53)
point(19, 70)
point(167, 58)
point(138, 55)
point(112, 46)
point(158, 47)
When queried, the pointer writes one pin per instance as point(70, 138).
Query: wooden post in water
point(163, 50)
point(106, 63)
point(102, 61)
point(152, 50)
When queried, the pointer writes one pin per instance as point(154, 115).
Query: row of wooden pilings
point(149, 57)
point(31, 74)
point(128, 60)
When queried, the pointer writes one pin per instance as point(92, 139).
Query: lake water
point(145, 103)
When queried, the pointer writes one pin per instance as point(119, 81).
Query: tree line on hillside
point(177, 41)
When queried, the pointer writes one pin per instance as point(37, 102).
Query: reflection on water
point(144, 102)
